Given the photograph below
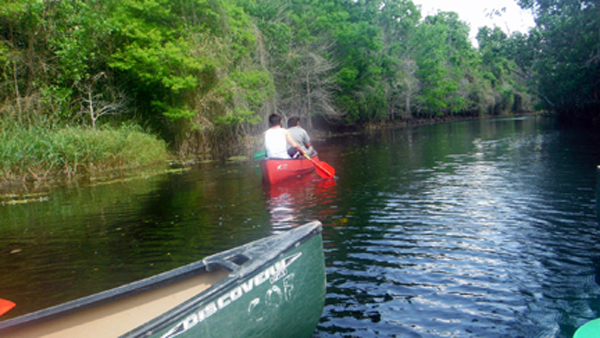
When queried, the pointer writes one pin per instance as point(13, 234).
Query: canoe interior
point(119, 317)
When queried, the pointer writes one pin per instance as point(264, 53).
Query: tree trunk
point(407, 113)
point(92, 110)
point(308, 108)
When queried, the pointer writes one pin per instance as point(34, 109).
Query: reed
point(36, 152)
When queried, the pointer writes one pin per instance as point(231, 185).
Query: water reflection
point(86, 239)
point(288, 201)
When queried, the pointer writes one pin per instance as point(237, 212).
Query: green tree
point(154, 52)
point(567, 66)
point(445, 59)
point(359, 46)
point(398, 20)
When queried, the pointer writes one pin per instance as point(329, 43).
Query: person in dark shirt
point(301, 137)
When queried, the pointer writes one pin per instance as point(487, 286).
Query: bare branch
point(96, 105)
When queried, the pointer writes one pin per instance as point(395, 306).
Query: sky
point(473, 12)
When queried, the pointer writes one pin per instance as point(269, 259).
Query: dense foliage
point(564, 52)
point(205, 73)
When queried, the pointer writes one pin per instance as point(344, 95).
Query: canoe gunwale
point(241, 262)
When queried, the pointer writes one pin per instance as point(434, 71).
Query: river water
point(484, 228)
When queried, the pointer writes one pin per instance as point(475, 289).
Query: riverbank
point(418, 122)
point(41, 154)
point(319, 134)
point(255, 143)
point(47, 156)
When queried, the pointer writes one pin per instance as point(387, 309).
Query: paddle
point(5, 306)
point(323, 169)
point(260, 155)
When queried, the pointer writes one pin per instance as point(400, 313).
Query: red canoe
point(274, 171)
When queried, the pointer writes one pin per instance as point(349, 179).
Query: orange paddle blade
point(5, 306)
point(323, 169)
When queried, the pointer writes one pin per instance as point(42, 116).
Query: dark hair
point(274, 120)
point(293, 121)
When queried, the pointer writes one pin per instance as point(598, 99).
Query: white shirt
point(276, 143)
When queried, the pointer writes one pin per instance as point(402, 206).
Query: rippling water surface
point(483, 228)
point(472, 229)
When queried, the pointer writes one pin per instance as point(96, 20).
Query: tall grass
point(35, 152)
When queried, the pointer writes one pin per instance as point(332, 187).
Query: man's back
point(300, 136)
point(276, 144)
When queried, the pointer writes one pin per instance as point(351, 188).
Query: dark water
point(472, 229)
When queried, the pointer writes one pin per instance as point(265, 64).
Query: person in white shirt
point(301, 137)
point(277, 139)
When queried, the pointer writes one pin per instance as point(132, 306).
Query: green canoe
point(273, 287)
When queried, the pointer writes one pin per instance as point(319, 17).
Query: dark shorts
point(296, 155)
